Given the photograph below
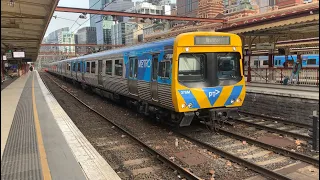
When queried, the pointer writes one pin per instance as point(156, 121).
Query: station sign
point(18, 54)
point(211, 40)
point(265, 46)
point(8, 55)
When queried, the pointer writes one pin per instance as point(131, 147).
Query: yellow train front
point(207, 77)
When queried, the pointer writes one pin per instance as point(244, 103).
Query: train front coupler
point(218, 117)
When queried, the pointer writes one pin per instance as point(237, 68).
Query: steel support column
point(249, 60)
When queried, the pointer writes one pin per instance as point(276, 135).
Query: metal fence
point(307, 76)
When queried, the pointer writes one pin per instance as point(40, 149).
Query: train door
point(65, 68)
point(76, 69)
point(100, 82)
point(72, 68)
point(154, 77)
point(133, 74)
point(83, 69)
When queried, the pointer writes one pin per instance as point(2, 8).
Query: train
point(194, 76)
point(308, 60)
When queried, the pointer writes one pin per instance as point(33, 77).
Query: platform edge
point(94, 166)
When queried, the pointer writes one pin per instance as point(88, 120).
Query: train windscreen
point(209, 69)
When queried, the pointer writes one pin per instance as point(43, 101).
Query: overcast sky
point(60, 23)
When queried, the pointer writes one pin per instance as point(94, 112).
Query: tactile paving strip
point(20, 160)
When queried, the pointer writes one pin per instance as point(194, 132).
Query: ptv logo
point(214, 93)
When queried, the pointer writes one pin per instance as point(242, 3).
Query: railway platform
point(295, 91)
point(40, 141)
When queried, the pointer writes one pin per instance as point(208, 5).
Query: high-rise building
point(98, 5)
point(106, 22)
point(238, 8)
point(103, 23)
point(287, 3)
point(53, 38)
point(121, 33)
point(133, 38)
point(64, 37)
point(210, 8)
point(264, 5)
point(148, 8)
point(188, 8)
point(86, 35)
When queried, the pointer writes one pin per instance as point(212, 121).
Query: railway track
point(257, 156)
point(250, 156)
point(274, 119)
point(138, 144)
point(275, 125)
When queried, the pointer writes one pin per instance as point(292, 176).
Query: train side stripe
point(188, 98)
point(234, 94)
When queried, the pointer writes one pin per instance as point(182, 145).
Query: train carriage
point(196, 75)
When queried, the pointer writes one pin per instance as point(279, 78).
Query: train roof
point(126, 49)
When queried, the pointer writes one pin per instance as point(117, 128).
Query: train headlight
point(239, 100)
point(232, 101)
point(183, 105)
point(190, 105)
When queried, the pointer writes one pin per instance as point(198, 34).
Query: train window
point(79, 67)
point(130, 67)
point(154, 68)
point(93, 67)
point(265, 62)
point(164, 69)
point(256, 63)
point(191, 67)
point(74, 67)
point(88, 67)
point(68, 66)
point(109, 67)
point(312, 62)
point(118, 67)
point(228, 65)
point(167, 74)
point(135, 67)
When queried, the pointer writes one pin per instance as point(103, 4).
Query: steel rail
point(186, 173)
point(250, 165)
point(300, 136)
point(269, 118)
point(285, 152)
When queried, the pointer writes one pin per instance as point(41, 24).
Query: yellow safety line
point(43, 157)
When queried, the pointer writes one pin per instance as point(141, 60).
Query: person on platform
point(285, 64)
point(295, 72)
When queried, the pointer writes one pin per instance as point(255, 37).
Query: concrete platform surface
point(40, 141)
point(305, 92)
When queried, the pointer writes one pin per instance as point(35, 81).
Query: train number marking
point(185, 92)
point(214, 93)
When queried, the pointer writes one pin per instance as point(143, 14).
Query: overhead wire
point(192, 2)
point(94, 14)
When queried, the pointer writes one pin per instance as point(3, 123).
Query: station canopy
point(23, 25)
